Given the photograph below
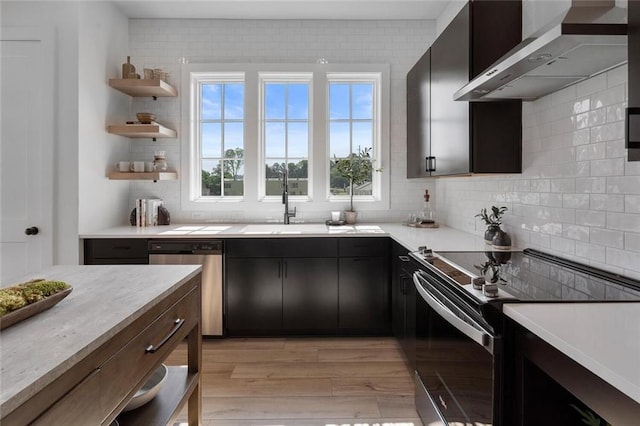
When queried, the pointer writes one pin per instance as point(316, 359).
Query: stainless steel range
point(459, 322)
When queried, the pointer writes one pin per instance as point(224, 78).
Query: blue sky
point(296, 110)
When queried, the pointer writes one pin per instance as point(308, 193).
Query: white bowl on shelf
point(149, 390)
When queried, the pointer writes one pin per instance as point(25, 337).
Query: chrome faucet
point(285, 197)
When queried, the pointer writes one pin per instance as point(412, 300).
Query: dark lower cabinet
point(310, 294)
point(254, 295)
point(116, 251)
point(363, 294)
point(312, 286)
point(403, 302)
point(547, 387)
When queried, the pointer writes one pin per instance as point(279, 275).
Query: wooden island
point(80, 362)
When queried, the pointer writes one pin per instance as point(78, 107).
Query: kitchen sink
point(278, 228)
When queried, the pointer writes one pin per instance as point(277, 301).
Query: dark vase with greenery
point(493, 220)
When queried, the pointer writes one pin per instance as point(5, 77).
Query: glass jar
point(159, 163)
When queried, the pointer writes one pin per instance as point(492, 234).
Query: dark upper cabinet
point(459, 137)
point(418, 126)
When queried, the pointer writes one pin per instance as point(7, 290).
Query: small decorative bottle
point(427, 213)
point(128, 70)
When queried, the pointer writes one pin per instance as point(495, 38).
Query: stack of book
point(147, 211)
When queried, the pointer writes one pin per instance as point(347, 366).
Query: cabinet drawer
point(282, 247)
point(78, 407)
point(116, 248)
point(138, 360)
point(370, 246)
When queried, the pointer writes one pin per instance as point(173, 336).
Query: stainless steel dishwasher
point(208, 254)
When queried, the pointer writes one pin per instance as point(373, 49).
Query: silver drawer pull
point(177, 324)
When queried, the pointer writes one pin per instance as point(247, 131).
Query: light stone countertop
point(438, 239)
point(602, 337)
point(38, 350)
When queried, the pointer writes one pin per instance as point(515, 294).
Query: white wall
point(90, 44)
point(103, 46)
point(160, 43)
point(577, 196)
point(62, 17)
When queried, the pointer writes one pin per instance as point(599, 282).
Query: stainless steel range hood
point(589, 39)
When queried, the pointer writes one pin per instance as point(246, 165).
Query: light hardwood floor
point(304, 382)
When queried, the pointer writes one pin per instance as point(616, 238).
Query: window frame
point(222, 79)
point(270, 208)
point(284, 77)
point(376, 118)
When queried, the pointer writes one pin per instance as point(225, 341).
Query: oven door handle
point(479, 336)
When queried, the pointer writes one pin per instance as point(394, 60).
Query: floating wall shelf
point(153, 131)
point(154, 176)
point(143, 87)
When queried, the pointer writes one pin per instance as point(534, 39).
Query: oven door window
point(457, 371)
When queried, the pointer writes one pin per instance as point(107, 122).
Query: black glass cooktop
point(535, 276)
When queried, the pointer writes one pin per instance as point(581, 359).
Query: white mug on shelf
point(122, 166)
point(137, 166)
point(148, 166)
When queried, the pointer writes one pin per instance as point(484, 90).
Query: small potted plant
point(493, 220)
point(356, 169)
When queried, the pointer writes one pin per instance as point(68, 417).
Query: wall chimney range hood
point(589, 39)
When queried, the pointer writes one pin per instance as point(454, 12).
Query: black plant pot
point(501, 240)
point(490, 233)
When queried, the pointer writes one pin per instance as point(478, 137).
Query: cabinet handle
point(431, 164)
point(179, 322)
point(403, 285)
point(404, 258)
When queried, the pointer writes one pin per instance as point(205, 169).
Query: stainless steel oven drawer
point(425, 406)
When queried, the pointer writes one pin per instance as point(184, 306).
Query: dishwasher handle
point(206, 247)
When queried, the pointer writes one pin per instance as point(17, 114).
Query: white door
point(25, 172)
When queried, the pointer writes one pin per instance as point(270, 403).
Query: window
point(245, 124)
point(221, 138)
point(353, 124)
point(285, 132)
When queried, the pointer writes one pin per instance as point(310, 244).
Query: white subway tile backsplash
point(623, 222)
point(595, 151)
point(590, 251)
point(580, 105)
point(632, 204)
point(576, 232)
point(616, 149)
point(581, 137)
point(591, 218)
point(577, 196)
point(606, 238)
point(592, 85)
point(562, 245)
point(591, 185)
point(553, 200)
point(575, 201)
point(616, 112)
point(623, 184)
point(605, 202)
point(632, 241)
point(623, 258)
point(617, 76)
point(611, 167)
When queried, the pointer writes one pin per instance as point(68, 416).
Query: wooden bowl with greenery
point(22, 301)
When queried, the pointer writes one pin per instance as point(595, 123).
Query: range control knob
point(490, 290)
point(478, 282)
